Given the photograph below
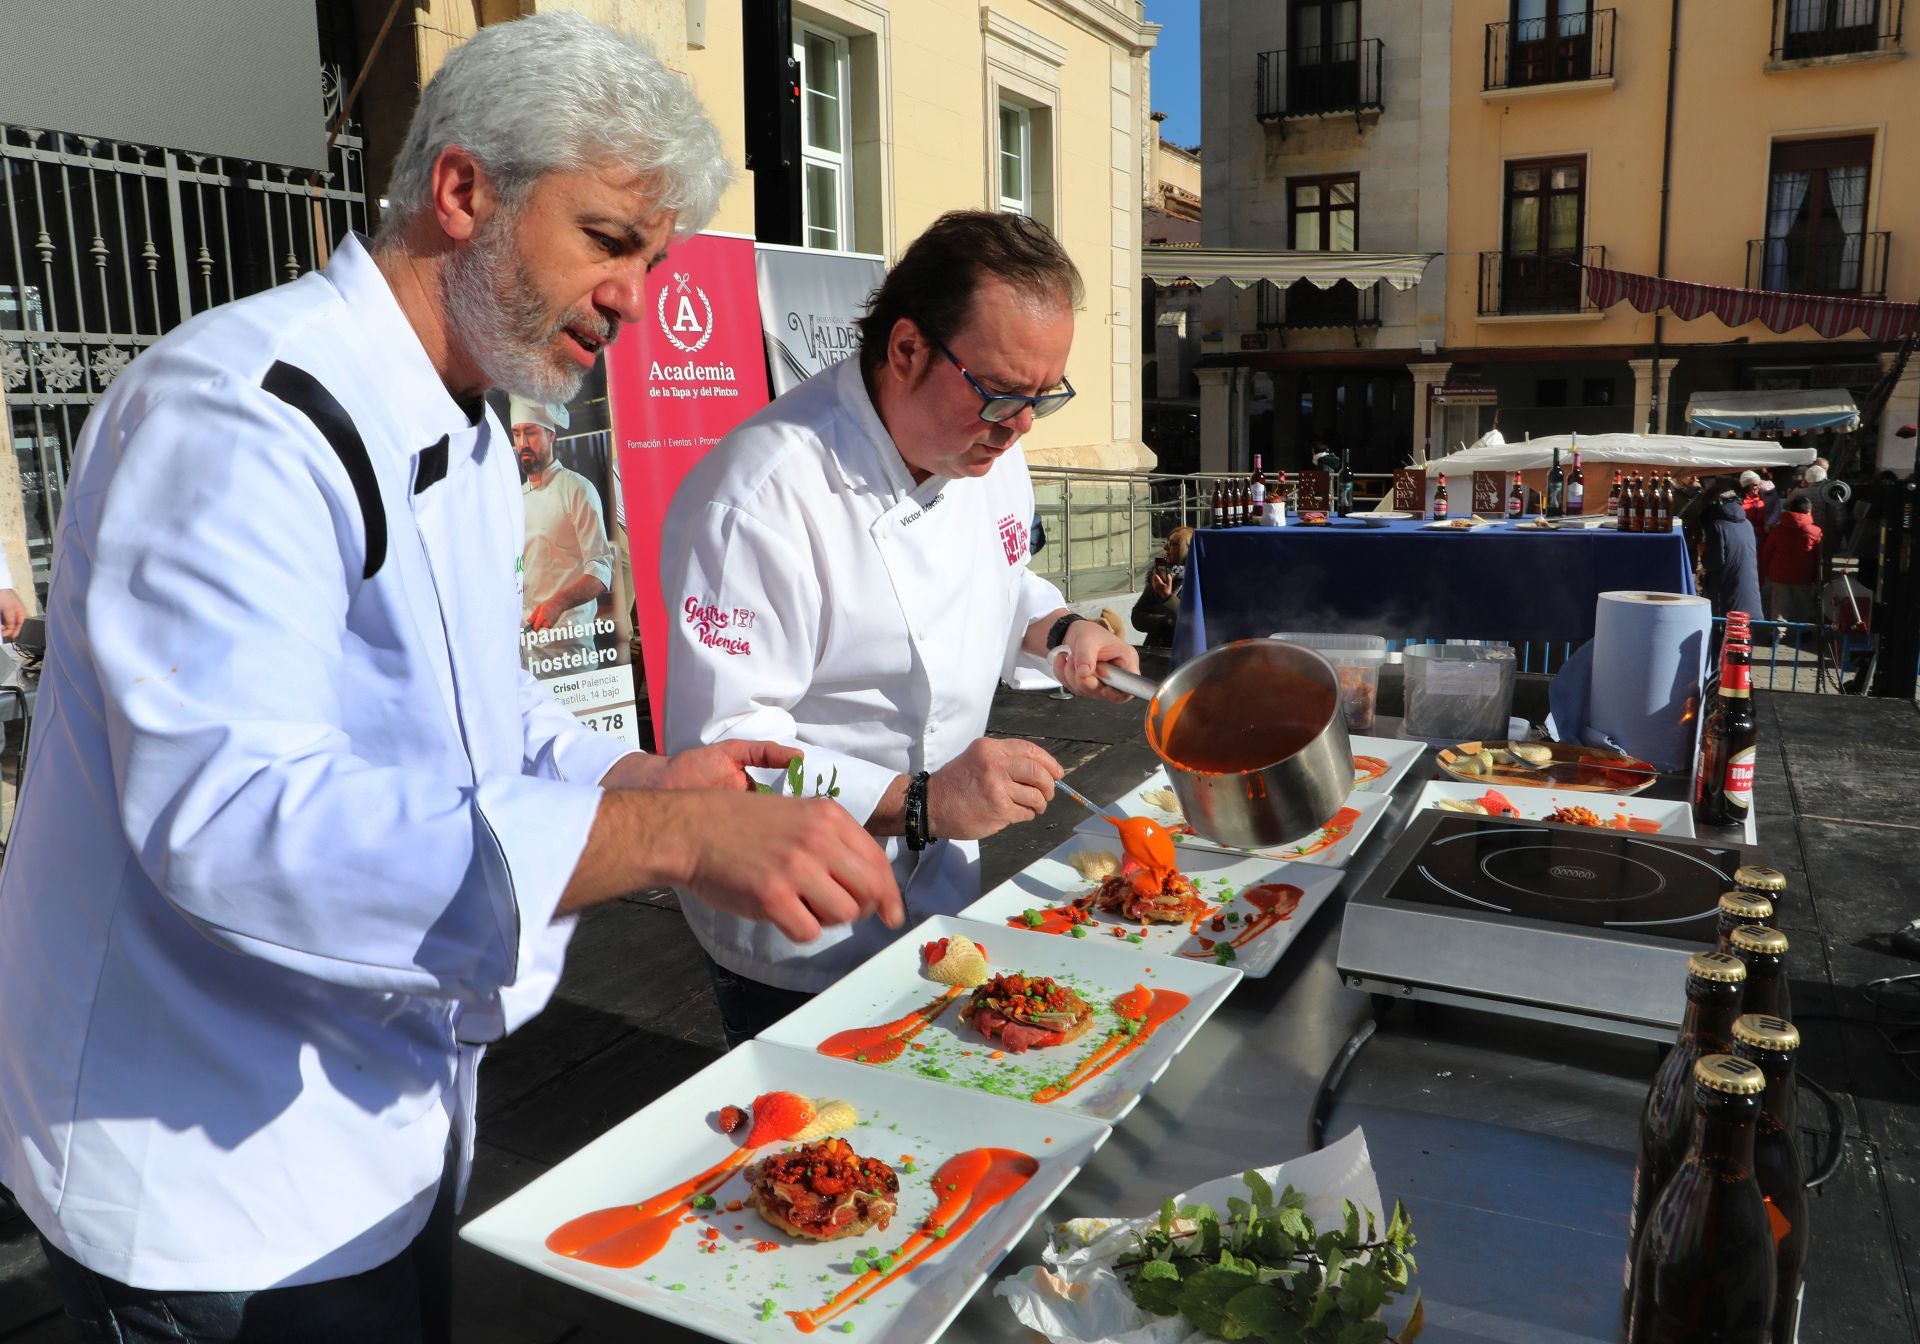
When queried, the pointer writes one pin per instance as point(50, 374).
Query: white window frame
point(840, 164)
point(1022, 153)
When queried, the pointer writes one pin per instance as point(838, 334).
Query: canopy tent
point(1242, 267)
point(1661, 452)
point(1770, 413)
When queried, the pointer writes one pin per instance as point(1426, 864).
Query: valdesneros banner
point(677, 381)
point(809, 300)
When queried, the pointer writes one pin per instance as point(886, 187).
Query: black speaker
point(772, 98)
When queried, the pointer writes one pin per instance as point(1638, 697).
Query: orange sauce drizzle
point(1151, 1008)
point(967, 1187)
point(1331, 834)
point(1276, 901)
point(1368, 767)
point(631, 1234)
point(1053, 919)
point(889, 1041)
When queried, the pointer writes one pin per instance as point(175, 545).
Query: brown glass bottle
point(1615, 509)
point(1768, 883)
point(1764, 951)
point(1772, 1043)
point(1723, 781)
point(1714, 984)
point(1737, 908)
point(1704, 1272)
point(1440, 499)
point(1217, 514)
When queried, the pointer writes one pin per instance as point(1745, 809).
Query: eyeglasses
point(999, 407)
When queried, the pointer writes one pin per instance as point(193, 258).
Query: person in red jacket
point(1790, 564)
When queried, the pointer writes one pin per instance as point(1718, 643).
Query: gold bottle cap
point(1759, 938)
point(1756, 878)
point(1730, 1074)
point(1746, 907)
point(1765, 1032)
point(1720, 967)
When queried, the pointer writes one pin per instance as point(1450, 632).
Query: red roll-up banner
point(677, 381)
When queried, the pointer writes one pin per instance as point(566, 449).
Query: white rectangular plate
point(892, 986)
point(1626, 814)
point(723, 1292)
point(1332, 845)
point(1053, 880)
point(1369, 753)
point(1447, 525)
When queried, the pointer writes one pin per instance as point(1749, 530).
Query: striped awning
point(1204, 265)
point(1829, 315)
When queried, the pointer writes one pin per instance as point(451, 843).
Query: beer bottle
point(1613, 498)
point(1764, 951)
point(1216, 514)
point(1714, 982)
point(1630, 506)
point(1440, 499)
point(1663, 506)
point(1576, 489)
point(1756, 880)
point(1556, 501)
point(1257, 493)
point(1771, 1043)
point(1737, 908)
point(1723, 781)
point(1516, 498)
point(1705, 1269)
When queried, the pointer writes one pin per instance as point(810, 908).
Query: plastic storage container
point(1458, 692)
point(1356, 660)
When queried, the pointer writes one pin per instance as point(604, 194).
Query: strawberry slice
point(778, 1116)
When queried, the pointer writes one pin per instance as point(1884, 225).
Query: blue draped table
point(1403, 581)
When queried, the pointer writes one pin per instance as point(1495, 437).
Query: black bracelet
point(1058, 633)
point(919, 833)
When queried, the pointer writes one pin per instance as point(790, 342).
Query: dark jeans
point(408, 1300)
point(748, 1007)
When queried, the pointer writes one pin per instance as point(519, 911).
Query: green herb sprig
point(1265, 1272)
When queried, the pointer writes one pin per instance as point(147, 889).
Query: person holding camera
point(1159, 603)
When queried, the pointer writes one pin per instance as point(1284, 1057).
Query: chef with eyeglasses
point(847, 572)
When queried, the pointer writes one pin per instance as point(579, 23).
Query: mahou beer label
point(1740, 779)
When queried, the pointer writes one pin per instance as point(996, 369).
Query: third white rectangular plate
point(1332, 845)
point(1620, 814)
point(888, 1014)
point(1379, 763)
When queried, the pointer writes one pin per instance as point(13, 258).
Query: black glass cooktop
point(1657, 886)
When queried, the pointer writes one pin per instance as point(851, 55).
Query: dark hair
point(934, 283)
point(1800, 505)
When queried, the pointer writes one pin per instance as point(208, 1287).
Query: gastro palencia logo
point(687, 329)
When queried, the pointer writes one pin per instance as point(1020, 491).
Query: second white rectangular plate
point(1650, 815)
point(1332, 845)
point(874, 1015)
point(1371, 754)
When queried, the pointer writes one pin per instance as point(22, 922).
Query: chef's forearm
point(585, 587)
point(640, 839)
point(889, 815)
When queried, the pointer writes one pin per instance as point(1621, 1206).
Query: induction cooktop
point(1574, 924)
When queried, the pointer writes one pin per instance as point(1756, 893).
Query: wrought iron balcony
point(1564, 50)
point(1305, 304)
point(1849, 263)
point(1809, 29)
point(1319, 81)
point(1544, 283)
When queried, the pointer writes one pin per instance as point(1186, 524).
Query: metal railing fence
point(1566, 49)
point(1847, 263)
point(1809, 29)
point(1319, 81)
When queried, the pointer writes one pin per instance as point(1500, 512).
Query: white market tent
point(1662, 452)
point(1769, 413)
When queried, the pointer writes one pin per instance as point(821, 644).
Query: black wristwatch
point(1058, 634)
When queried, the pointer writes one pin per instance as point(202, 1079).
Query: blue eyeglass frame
point(1042, 405)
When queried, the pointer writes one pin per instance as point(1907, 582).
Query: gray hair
point(557, 92)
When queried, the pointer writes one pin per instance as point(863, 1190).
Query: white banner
point(809, 300)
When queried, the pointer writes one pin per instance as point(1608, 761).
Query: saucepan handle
point(1130, 682)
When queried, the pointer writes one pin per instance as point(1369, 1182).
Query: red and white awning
point(1829, 315)
point(1242, 267)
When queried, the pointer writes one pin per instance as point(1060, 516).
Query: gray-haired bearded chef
point(568, 560)
point(864, 540)
point(300, 834)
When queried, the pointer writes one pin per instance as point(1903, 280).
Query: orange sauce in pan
point(967, 1188)
point(877, 1045)
point(1151, 1008)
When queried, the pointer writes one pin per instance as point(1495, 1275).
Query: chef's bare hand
point(546, 615)
point(991, 785)
point(13, 613)
point(800, 864)
point(1088, 644)
point(720, 766)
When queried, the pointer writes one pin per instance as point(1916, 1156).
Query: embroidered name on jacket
point(1013, 539)
point(711, 626)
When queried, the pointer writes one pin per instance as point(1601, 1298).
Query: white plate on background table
point(1649, 815)
point(723, 1292)
point(1054, 880)
point(1370, 753)
point(891, 986)
point(1333, 844)
point(1393, 516)
point(1456, 525)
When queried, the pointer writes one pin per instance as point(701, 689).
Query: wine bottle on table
point(1576, 489)
point(1555, 505)
point(1772, 1043)
point(1257, 493)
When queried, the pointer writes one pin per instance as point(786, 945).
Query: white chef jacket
point(288, 835)
point(818, 597)
point(566, 537)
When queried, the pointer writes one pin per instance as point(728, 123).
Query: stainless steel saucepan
point(1254, 740)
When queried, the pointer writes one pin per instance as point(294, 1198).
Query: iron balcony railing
point(1551, 281)
point(1319, 81)
point(1808, 29)
point(1849, 263)
point(1305, 304)
point(1562, 50)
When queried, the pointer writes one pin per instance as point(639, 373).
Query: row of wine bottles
point(1717, 1236)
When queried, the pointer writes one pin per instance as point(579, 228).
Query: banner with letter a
point(678, 380)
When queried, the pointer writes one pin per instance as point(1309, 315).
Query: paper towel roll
point(1649, 662)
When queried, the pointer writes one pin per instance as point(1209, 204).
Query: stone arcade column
point(1429, 430)
point(1223, 418)
point(1643, 394)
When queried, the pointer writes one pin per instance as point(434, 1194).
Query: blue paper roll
point(1649, 662)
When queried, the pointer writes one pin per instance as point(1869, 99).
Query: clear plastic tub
point(1356, 661)
point(1459, 692)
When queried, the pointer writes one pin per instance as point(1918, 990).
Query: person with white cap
point(568, 561)
point(1760, 501)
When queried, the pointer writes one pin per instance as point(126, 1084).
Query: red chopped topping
point(933, 951)
point(764, 1246)
point(1218, 924)
point(731, 1118)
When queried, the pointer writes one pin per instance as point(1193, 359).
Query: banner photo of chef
point(576, 575)
point(688, 372)
point(808, 302)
